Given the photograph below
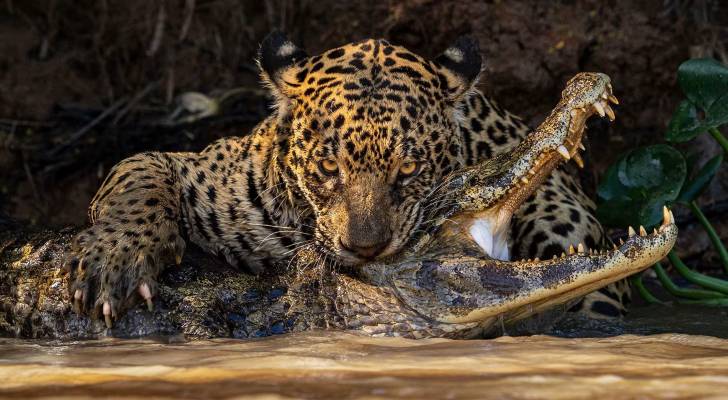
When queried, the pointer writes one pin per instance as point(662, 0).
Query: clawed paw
point(113, 266)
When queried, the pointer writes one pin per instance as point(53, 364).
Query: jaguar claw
point(77, 300)
point(107, 314)
point(146, 293)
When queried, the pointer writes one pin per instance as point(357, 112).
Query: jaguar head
point(369, 129)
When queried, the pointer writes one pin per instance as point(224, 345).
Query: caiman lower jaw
point(544, 284)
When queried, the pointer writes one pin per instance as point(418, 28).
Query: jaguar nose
point(366, 251)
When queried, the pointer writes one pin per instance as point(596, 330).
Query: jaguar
point(359, 138)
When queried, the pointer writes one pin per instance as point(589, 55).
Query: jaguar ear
point(461, 64)
point(277, 60)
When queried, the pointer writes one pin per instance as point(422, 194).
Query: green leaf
point(637, 186)
point(659, 169)
point(684, 124)
point(692, 189)
point(705, 83)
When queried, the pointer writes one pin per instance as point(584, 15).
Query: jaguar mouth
point(558, 139)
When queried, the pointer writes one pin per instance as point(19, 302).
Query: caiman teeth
point(613, 99)
point(667, 217)
point(610, 112)
point(581, 146)
point(630, 231)
point(571, 249)
point(599, 108)
point(643, 232)
point(577, 159)
point(580, 248)
point(564, 152)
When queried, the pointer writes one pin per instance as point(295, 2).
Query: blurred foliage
point(642, 181)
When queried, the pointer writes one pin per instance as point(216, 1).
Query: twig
point(134, 101)
point(158, 30)
point(78, 134)
point(189, 12)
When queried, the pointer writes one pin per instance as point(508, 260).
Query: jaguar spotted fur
point(359, 137)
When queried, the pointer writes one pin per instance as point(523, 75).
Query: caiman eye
point(329, 167)
point(409, 168)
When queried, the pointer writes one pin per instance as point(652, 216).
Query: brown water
point(336, 365)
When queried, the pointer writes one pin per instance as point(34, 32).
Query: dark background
point(86, 83)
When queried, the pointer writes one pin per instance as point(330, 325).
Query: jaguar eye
point(409, 168)
point(329, 167)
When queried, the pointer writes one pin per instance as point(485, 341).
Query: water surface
point(336, 365)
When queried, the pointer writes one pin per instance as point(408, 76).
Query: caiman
point(444, 284)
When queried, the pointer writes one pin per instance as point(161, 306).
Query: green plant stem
point(719, 138)
point(714, 238)
point(707, 302)
point(636, 281)
point(675, 290)
point(697, 278)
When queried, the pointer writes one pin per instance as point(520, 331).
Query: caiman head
point(452, 275)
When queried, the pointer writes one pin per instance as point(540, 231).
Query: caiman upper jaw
point(488, 194)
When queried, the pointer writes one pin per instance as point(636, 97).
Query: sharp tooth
point(571, 249)
point(665, 216)
point(613, 99)
point(609, 86)
point(643, 232)
point(621, 241)
point(580, 248)
point(536, 259)
point(605, 96)
point(524, 180)
point(654, 231)
point(578, 160)
point(564, 152)
point(581, 146)
point(554, 257)
point(615, 246)
point(563, 254)
point(631, 231)
point(599, 109)
point(610, 112)
point(672, 218)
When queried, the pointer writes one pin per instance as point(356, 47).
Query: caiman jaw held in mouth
point(452, 282)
